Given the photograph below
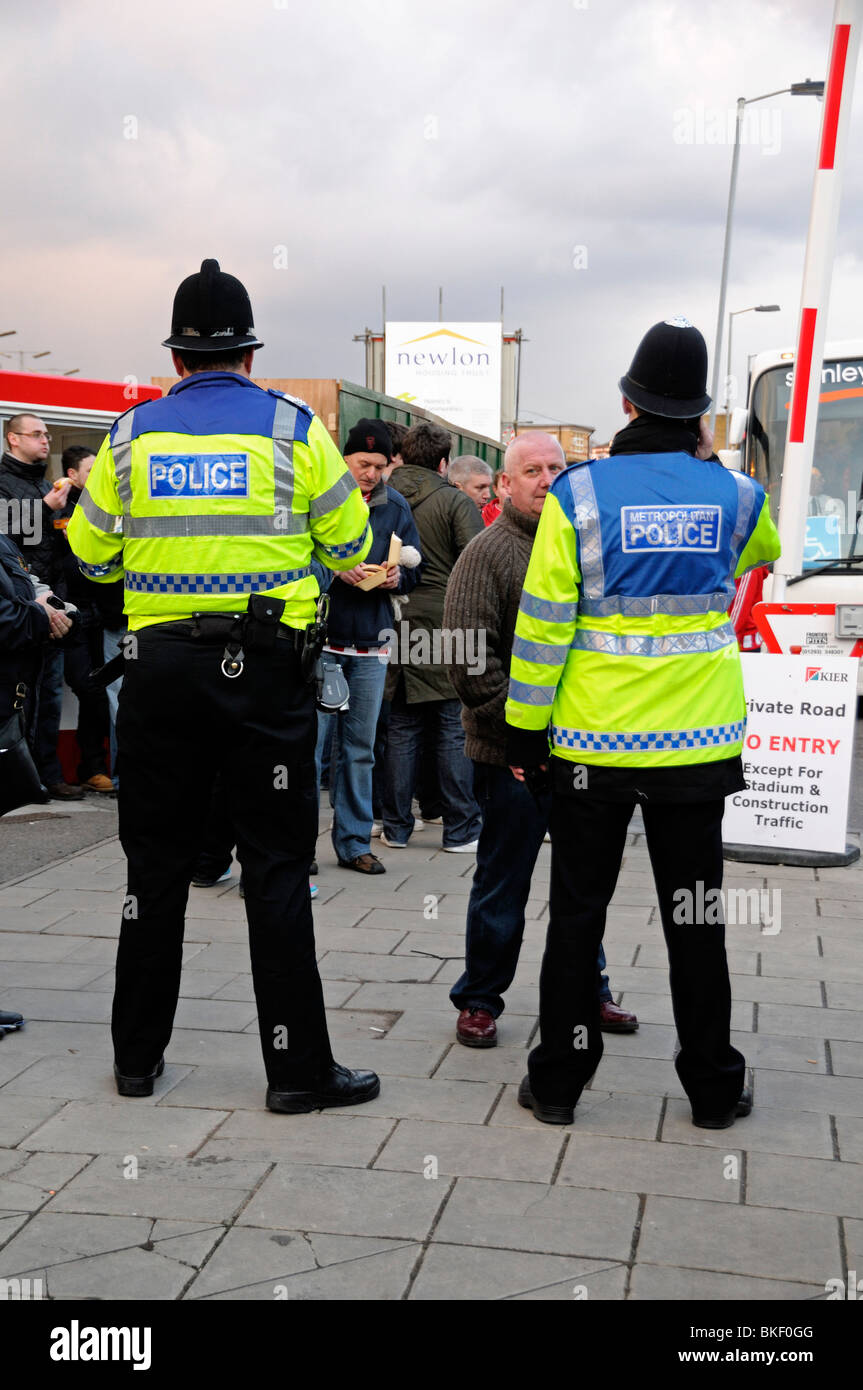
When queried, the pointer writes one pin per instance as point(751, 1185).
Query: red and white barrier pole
point(815, 298)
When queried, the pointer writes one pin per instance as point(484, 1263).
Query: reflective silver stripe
point(284, 425)
point(745, 503)
point(674, 605)
point(546, 610)
point(589, 532)
point(284, 523)
point(670, 644)
point(544, 652)
point(105, 521)
point(121, 450)
point(333, 497)
point(531, 694)
point(589, 741)
point(140, 582)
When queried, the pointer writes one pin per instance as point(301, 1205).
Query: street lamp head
point(807, 89)
point(767, 308)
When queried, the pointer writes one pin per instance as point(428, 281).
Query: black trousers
point(82, 653)
point(685, 846)
point(181, 724)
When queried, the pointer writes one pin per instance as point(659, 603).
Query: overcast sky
point(468, 143)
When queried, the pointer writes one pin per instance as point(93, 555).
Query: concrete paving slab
point(389, 1057)
point(648, 1075)
point(31, 946)
point(58, 1238)
point(847, 1058)
point(29, 1180)
point(637, 1165)
point(804, 1184)
point(82, 1078)
point(540, 1218)
point(457, 1272)
point(627, 1114)
point(254, 1264)
point(659, 1282)
point(346, 1201)
point(464, 1102)
point(23, 1115)
point(787, 1245)
point(473, 1151)
point(350, 1139)
point(23, 974)
point(849, 1133)
point(102, 1127)
point(58, 1005)
point(765, 1130)
point(832, 1095)
point(766, 1050)
point(361, 967)
point(89, 923)
point(204, 1189)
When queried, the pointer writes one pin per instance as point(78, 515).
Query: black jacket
point(25, 482)
point(24, 627)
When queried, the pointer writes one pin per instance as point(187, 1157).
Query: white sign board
point(452, 369)
point(797, 753)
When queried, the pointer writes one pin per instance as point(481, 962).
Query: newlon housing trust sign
point(797, 753)
point(451, 369)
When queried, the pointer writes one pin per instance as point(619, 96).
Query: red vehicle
point(75, 411)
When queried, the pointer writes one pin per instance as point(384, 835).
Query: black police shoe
point(549, 1114)
point(137, 1085)
point(743, 1107)
point(9, 1022)
point(340, 1087)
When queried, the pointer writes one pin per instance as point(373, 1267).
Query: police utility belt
point(258, 630)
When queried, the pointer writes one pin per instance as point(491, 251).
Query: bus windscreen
point(835, 505)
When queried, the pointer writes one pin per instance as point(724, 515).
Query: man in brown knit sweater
point(483, 595)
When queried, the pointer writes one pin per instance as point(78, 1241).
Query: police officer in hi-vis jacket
point(208, 506)
point(626, 688)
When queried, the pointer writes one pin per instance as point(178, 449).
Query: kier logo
point(817, 673)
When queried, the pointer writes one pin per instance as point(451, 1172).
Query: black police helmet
point(212, 313)
point(668, 375)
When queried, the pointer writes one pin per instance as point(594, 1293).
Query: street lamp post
point(25, 352)
point(796, 89)
point(753, 309)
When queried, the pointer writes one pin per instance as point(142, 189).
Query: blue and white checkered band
point(343, 552)
point(586, 741)
point(100, 571)
point(139, 583)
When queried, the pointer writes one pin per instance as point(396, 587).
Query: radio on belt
point(849, 620)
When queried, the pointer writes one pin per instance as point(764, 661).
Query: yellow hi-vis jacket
point(217, 491)
point(623, 654)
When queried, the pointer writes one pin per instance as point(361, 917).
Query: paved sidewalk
point(442, 1188)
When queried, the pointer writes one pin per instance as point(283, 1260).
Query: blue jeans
point(45, 730)
point(111, 640)
point(353, 753)
point(407, 727)
point(513, 827)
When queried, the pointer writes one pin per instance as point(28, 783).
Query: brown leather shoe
point(99, 783)
point(476, 1028)
point(363, 864)
point(613, 1019)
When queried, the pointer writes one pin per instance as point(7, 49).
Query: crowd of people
point(87, 621)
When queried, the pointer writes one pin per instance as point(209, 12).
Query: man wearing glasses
point(28, 507)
